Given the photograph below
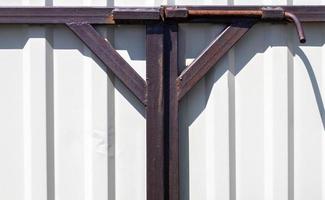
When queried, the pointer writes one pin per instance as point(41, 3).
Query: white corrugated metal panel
point(252, 129)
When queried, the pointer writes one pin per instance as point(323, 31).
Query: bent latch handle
point(278, 14)
point(300, 30)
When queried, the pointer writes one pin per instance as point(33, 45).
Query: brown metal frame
point(164, 86)
point(239, 21)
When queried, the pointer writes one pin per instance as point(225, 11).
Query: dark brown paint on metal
point(137, 13)
point(211, 55)
point(156, 180)
point(108, 55)
point(171, 57)
point(91, 15)
point(55, 15)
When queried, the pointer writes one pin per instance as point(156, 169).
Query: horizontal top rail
point(232, 13)
point(139, 15)
point(63, 15)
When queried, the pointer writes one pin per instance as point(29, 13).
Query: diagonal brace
point(211, 55)
point(109, 56)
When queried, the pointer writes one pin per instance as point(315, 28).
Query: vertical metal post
point(171, 56)
point(156, 170)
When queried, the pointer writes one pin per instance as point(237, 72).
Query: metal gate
point(165, 85)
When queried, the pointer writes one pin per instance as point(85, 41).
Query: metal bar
point(265, 14)
point(178, 13)
point(171, 57)
point(211, 55)
point(103, 15)
point(137, 13)
point(243, 13)
point(108, 55)
point(300, 30)
point(63, 15)
point(156, 167)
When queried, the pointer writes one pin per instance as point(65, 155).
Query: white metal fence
point(252, 129)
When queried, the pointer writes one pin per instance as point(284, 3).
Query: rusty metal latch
point(274, 14)
point(301, 34)
point(270, 14)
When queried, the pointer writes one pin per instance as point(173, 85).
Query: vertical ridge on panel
point(268, 122)
point(130, 127)
point(275, 113)
point(217, 123)
point(88, 124)
point(110, 118)
point(232, 125)
point(232, 120)
point(308, 109)
point(34, 113)
point(291, 154)
point(217, 128)
point(69, 114)
point(308, 112)
point(71, 109)
point(12, 41)
point(249, 84)
point(204, 129)
point(35, 74)
point(50, 162)
point(102, 130)
point(322, 113)
point(103, 123)
point(106, 98)
point(26, 79)
point(89, 116)
point(261, 112)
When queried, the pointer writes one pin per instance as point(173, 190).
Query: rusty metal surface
point(301, 33)
point(304, 13)
point(224, 13)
